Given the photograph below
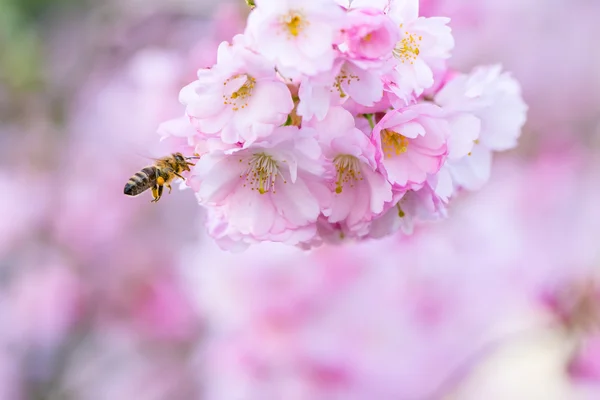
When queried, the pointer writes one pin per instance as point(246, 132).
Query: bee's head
point(179, 158)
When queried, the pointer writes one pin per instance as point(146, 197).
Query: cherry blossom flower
point(346, 81)
point(494, 97)
point(409, 209)
point(398, 133)
point(269, 188)
point(495, 100)
point(464, 132)
point(297, 37)
point(240, 99)
point(359, 190)
point(411, 143)
point(370, 36)
point(424, 45)
point(228, 237)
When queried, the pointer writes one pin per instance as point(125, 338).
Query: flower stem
point(369, 118)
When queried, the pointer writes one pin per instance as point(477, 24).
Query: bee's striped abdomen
point(141, 181)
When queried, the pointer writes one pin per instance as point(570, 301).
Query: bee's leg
point(156, 191)
point(178, 175)
point(169, 186)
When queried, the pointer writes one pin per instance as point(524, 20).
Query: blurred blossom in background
point(108, 297)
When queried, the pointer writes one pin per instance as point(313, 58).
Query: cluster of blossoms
point(328, 120)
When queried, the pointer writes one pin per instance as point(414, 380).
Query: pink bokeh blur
point(107, 297)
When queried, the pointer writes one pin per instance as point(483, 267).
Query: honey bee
point(159, 175)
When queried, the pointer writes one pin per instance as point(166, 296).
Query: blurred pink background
point(108, 297)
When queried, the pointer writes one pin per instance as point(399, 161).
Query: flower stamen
point(393, 143)
point(294, 23)
point(348, 171)
point(401, 212)
point(340, 79)
point(407, 49)
point(239, 98)
point(262, 173)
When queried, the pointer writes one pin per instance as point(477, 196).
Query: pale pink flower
point(364, 86)
point(345, 81)
point(410, 208)
point(369, 36)
point(442, 184)
point(359, 190)
point(179, 135)
point(495, 100)
point(297, 36)
point(224, 235)
point(492, 96)
point(411, 143)
point(381, 106)
point(240, 99)
point(473, 171)
point(464, 132)
point(382, 5)
point(424, 45)
point(269, 188)
point(229, 238)
point(317, 94)
point(337, 233)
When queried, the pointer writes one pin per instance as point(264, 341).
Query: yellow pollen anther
point(368, 37)
point(476, 141)
point(294, 23)
point(239, 98)
point(262, 172)
point(343, 78)
point(401, 212)
point(393, 143)
point(407, 49)
point(348, 171)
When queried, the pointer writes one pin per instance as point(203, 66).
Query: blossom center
point(393, 143)
point(261, 173)
point(344, 77)
point(347, 168)
point(407, 49)
point(294, 23)
point(238, 90)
